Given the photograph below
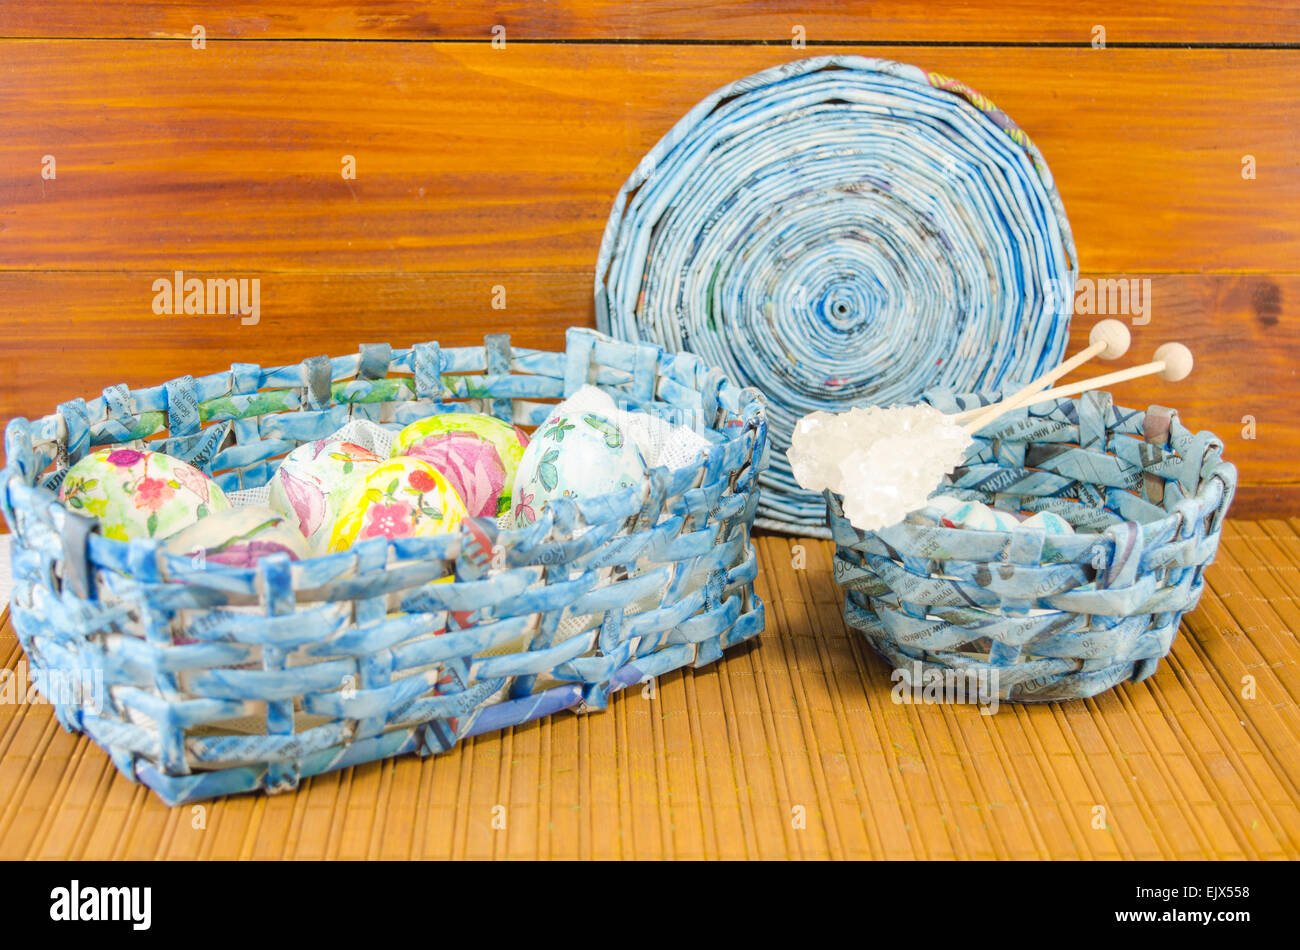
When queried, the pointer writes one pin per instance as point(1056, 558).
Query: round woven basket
point(206, 679)
point(1045, 616)
point(842, 231)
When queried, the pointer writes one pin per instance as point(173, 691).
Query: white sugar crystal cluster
point(885, 462)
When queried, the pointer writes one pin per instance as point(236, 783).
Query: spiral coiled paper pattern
point(842, 231)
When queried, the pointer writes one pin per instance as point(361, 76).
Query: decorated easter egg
point(404, 497)
point(1048, 523)
point(477, 454)
point(944, 503)
point(137, 494)
point(314, 481)
point(1004, 520)
point(971, 514)
point(574, 456)
point(240, 537)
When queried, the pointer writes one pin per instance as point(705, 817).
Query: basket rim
point(1222, 471)
point(751, 412)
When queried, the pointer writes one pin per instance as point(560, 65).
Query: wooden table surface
point(791, 747)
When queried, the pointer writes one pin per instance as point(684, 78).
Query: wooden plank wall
point(482, 167)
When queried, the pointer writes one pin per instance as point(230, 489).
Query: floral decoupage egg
point(404, 497)
point(313, 482)
point(1048, 522)
point(971, 514)
point(140, 494)
point(1005, 520)
point(240, 537)
point(477, 454)
point(574, 456)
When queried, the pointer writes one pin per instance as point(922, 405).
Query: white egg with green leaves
point(578, 455)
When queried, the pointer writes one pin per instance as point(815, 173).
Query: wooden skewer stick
point(1109, 339)
point(1173, 362)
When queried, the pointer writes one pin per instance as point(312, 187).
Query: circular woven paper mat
point(842, 231)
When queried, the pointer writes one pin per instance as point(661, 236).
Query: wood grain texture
point(715, 762)
point(880, 20)
point(481, 167)
point(229, 158)
point(1246, 345)
point(85, 331)
point(90, 330)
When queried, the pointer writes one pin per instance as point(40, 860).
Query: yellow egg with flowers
point(404, 497)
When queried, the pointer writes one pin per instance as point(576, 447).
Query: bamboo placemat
point(791, 748)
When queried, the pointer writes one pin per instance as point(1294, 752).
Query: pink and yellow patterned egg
point(313, 482)
point(477, 454)
point(239, 537)
point(140, 494)
point(402, 498)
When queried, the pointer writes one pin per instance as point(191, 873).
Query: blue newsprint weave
point(211, 679)
point(842, 231)
point(1048, 616)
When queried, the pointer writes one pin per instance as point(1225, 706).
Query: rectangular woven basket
point(216, 679)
